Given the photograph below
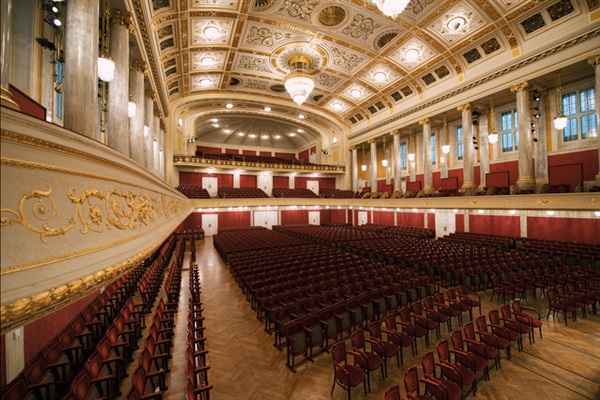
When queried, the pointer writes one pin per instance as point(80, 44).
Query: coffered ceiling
point(367, 67)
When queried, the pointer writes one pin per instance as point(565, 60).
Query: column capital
point(371, 141)
point(352, 148)
point(594, 60)
point(395, 132)
point(151, 94)
point(519, 87)
point(138, 65)
point(464, 107)
point(124, 18)
point(162, 124)
point(158, 113)
point(424, 121)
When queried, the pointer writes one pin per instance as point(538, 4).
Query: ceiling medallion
point(332, 16)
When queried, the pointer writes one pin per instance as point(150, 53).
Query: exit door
point(314, 217)
point(210, 224)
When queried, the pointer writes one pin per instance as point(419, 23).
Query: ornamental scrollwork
point(94, 211)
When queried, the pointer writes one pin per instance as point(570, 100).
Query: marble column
point(354, 156)
point(427, 177)
point(155, 133)
point(468, 158)
point(594, 61)
point(161, 152)
point(149, 122)
point(136, 123)
point(373, 165)
point(118, 88)
point(81, 68)
point(413, 163)
point(541, 146)
point(446, 156)
point(6, 99)
point(526, 180)
point(484, 153)
point(397, 172)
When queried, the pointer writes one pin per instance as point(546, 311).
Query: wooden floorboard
point(564, 364)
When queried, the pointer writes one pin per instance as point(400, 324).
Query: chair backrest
point(405, 315)
point(411, 380)
point(505, 310)
point(392, 393)
point(428, 302)
point(469, 330)
point(375, 330)
point(443, 350)
point(457, 339)
point(494, 317)
point(481, 323)
point(358, 339)
point(17, 390)
point(451, 293)
point(439, 298)
point(390, 322)
point(138, 380)
point(338, 352)
point(516, 304)
point(428, 363)
point(94, 365)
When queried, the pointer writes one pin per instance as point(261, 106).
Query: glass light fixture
point(411, 156)
point(355, 92)
point(493, 137)
point(299, 84)
point(379, 76)
point(207, 61)
point(229, 105)
point(180, 121)
point(363, 167)
point(106, 68)
point(391, 8)
point(267, 109)
point(131, 108)
point(384, 162)
point(411, 54)
point(106, 65)
point(446, 149)
point(560, 121)
point(211, 32)
point(146, 130)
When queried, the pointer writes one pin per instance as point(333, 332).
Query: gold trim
point(29, 308)
point(594, 60)
point(463, 107)
point(519, 87)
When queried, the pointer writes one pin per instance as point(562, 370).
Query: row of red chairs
point(197, 387)
point(193, 191)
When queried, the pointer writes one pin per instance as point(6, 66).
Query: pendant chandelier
point(391, 8)
point(106, 65)
point(493, 135)
point(299, 83)
point(560, 121)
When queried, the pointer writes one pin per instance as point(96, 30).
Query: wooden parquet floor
point(564, 364)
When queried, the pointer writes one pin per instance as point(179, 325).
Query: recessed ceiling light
point(240, 133)
point(205, 82)
point(229, 105)
point(277, 136)
point(264, 137)
point(267, 109)
point(227, 130)
point(211, 32)
point(252, 135)
point(214, 120)
point(301, 116)
point(335, 139)
point(299, 130)
point(355, 92)
point(456, 23)
point(411, 54)
point(292, 134)
point(215, 125)
point(379, 76)
point(337, 106)
point(207, 61)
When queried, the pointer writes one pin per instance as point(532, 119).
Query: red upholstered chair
point(367, 360)
point(524, 327)
point(524, 318)
point(491, 350)
point(510, 330)
point(17, 390)
point(399, 338)
point(345, 375)
point(475, 350)
point(416, 331)
point(445, 310)
point(387, 348)
point(424, 321)
point(392, 393)
point(428, 304)
point(463, 373)
point(453, 391)
point(558, 304)
point(454, 302)
point(471, 299)
point(411, 384)
point(501, 337)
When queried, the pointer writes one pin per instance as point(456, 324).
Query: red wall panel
point(232, 151)
point(207, 149)
point(27, 105)
point(495, 225)
point(477, 175)
point(436, 180)
point(303, 155)
point(511, 166)
point(234, 219)
point(328, 183)
point(574, 229)
point(300, 182)
point(249, 152)
point(294, 217)
point(39, 333)
point(325, 217)
point(460, 222)
point(248, 181)
point(414, 219)
point(266, 154)
point(383, 217)
point(193, 221)
point(589, 158)
point(194, 178)
point(281, 182)
point(338, 216)
point(431, 221)
point(458, 173)
point(285, 155)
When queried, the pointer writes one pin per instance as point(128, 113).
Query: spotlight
point(53, 20)
point(45, 43)
point(535, 140)
point(536, 112)
point(50, 8)
point(535, 95)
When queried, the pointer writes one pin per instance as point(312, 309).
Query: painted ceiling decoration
point(205, 53)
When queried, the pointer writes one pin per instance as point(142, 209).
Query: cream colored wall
point(75, 216)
